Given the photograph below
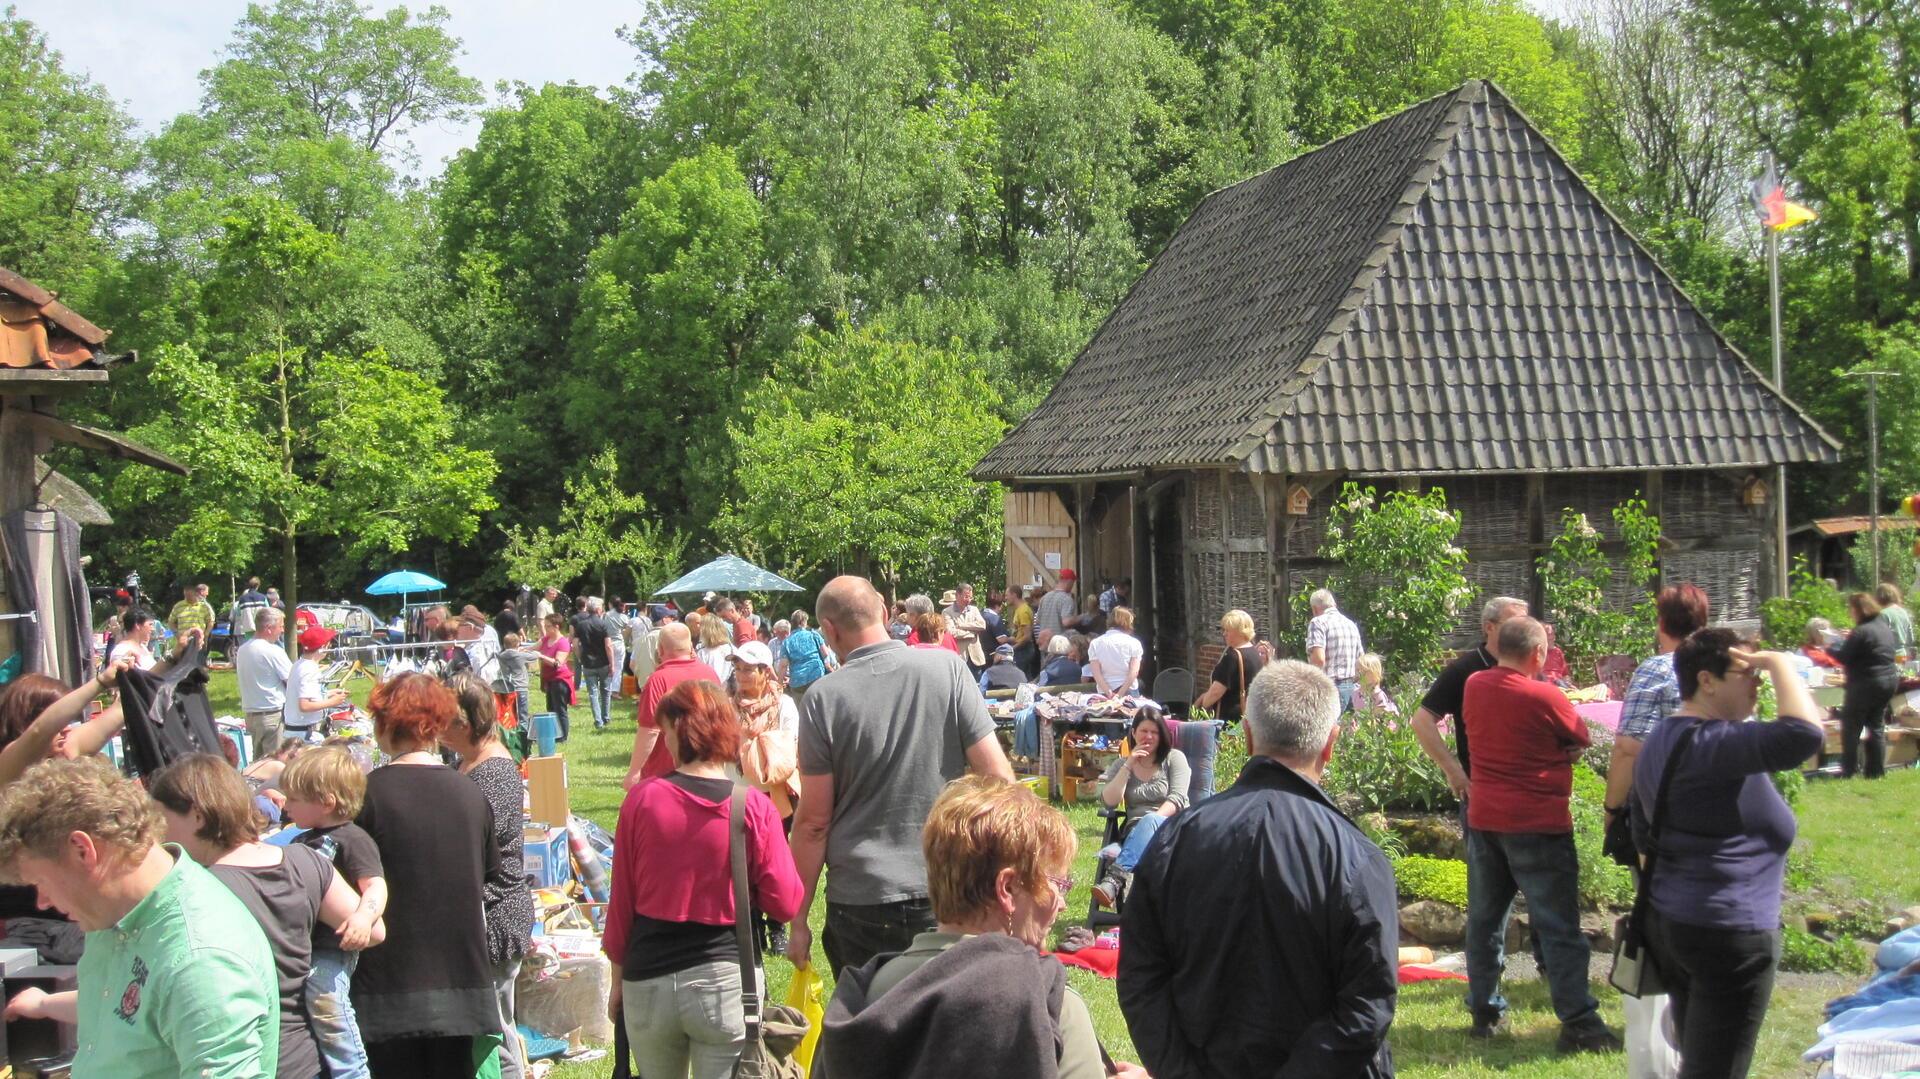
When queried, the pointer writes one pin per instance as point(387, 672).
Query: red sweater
point(671, 863)
point(1521, 731)
point(667, 675)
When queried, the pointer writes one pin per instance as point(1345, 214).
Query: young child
point(324, 788)
point(511, 679)
point(1370, 695)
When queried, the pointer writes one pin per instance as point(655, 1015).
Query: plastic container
point(546, 731)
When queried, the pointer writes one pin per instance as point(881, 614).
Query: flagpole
point(1780, 385)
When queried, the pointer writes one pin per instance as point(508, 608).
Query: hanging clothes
point(41, 551)
point(168, 715)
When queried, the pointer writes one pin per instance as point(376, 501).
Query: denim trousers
point(1346, 687)
point(330, 1013)
point(690, 1021)
point(598, 682)
point(855, 933)
point(1719, 982)
point(1126, 853)
point(1545, 869)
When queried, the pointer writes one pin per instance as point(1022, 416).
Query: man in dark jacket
point(1262, 928)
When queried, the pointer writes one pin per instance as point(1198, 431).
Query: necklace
point(418, 756)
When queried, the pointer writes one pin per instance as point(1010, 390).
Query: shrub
point(1575, 575)
point(1379, 763)
point(1803, 953)
point(1784, 619)
point(1603, 883)
point(1441, 879)
point(1399, 574)
point(1230, 757)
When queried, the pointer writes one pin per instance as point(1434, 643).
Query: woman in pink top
point(670, 921)
point(556, 675)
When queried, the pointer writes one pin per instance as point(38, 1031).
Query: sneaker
point(1499, 1026)
point(1595, 1038)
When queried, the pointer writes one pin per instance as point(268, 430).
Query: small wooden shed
point(48, 353)
point(1435, 300)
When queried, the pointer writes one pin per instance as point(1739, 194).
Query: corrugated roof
point(1438, 292)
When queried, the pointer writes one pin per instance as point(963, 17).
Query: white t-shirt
point(1114, 650)
point(262, 667)
point(141, 655)
point(303, 682)
point(720, 659)
point(789, 715)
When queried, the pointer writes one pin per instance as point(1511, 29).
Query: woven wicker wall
point(1730, 577)
point(1493, 509)
point(1594, 495)
point(1703, 505)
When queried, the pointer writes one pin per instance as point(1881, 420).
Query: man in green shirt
point(177, 978)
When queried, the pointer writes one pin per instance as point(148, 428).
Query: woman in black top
point(1872, 677)
point(1226, 697)
point(509, 910)
point(209, 812)
point(426, 999)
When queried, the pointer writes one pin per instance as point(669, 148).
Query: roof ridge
point(1387, 238)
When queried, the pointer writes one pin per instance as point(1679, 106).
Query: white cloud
point(149, 55)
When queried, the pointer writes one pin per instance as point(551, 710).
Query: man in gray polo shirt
point(879, 738)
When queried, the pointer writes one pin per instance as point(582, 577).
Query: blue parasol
point(730, 573)
point(401, 582)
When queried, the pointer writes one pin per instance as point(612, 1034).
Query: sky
point(149, 54)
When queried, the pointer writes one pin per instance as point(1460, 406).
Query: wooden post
point(1142, 599)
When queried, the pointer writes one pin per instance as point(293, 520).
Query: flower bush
point(1378, 762)
point(1399, 575)
point(1575, 575)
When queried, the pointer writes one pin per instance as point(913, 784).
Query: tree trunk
point(289, 585)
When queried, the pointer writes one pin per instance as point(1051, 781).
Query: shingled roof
point(1438, 292)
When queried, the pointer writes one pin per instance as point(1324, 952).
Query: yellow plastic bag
point(803, 994)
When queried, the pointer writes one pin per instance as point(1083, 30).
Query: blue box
point(549, 864)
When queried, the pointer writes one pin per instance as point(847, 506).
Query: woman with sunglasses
point(997, 864)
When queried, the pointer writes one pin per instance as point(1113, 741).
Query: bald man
point(879, 738)
point(677, 665)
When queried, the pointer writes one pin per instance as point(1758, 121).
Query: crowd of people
point(847, 756)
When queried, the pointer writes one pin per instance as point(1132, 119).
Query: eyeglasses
point(1062, 885)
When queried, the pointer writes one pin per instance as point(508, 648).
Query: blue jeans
point(1346, 686)
point(330, 1014)
point(1026, 734)
point(597, 681)
point(1545, 869)
point(1128, 852)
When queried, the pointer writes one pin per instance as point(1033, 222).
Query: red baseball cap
point(315, 637)
point(1069, 575)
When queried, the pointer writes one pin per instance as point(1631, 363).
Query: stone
point(1435, 835)
point(1433, 922)
point(1519, 940)
point(1912, 916)
point(1597, 927)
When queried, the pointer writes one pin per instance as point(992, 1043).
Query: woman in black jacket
point(1872, 677)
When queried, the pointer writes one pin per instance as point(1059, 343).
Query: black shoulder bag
point(1635, 971)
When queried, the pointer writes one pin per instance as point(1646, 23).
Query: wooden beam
point(93, 438)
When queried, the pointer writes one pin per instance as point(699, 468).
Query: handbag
point(774, 1031)
point(1635, 972)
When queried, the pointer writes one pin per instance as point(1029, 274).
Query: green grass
point(1857, 832)
point(1843, 821)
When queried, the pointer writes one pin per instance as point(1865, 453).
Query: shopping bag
point(803, 995)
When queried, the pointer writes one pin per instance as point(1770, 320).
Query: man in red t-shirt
point(677, 665)
point(1526, 738)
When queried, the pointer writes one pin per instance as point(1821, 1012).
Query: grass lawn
point(1844, 823)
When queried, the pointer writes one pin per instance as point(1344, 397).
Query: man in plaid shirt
point(1333, 644)
point(1654, 692)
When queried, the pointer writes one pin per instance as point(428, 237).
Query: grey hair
point(919, 603)
point(1291, 709)
point(595, 604)
point(1321, 599)
point(271, 616)
point(1818, 628)
point(782, 624)
point(1490, 614)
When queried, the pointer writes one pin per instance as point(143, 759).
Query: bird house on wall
point(1298, 500)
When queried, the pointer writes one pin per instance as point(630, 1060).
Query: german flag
point(1776, 212)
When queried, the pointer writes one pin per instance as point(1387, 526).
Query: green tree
point(600, 526)
point(855, 455)
point(287, 444)
point(1577, 575)
point(1398, 573)
point(65, 154)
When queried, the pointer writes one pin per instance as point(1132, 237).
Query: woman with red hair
point(670, 923)
point(426, 995)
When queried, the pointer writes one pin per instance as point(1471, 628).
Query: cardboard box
point(549, 865)
point(547, 791)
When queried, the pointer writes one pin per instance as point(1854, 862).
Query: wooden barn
point(1434, 300)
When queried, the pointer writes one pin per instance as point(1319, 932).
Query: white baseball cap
point(754, 653)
